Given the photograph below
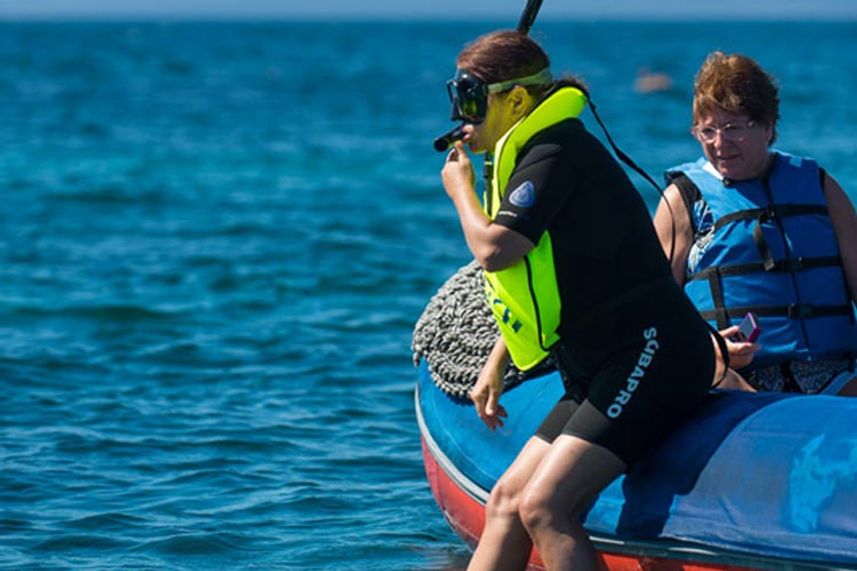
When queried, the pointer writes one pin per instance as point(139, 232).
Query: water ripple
point(217, 239)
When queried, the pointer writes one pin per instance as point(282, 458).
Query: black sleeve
point(537, 189)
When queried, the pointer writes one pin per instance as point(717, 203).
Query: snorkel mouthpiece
point(449, 138)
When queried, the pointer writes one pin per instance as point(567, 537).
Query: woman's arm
point(683, 233)
point(844, 221)
point(494, 246)
point(485, 394)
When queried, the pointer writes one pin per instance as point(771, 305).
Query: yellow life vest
point(524, 297)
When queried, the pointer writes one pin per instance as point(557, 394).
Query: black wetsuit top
point(634, 351)
point(603, 239)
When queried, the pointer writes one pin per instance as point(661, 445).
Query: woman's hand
point(457, 173)
point(494, 246)
point(485, 394)
point(741, 353)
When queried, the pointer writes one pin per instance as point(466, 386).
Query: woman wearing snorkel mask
point(761, 231)
point(574, 274)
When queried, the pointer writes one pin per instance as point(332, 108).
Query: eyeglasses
point(732, 132)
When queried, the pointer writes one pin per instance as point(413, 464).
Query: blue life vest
point(773, 252)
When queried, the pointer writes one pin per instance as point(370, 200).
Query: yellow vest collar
point(565, 103)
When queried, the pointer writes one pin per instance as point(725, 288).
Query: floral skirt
point(799, 376)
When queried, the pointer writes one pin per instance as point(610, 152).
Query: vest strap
point(790, 384)
point(793, 311)
point(762, 215)
point(762, 245)
point(772, 212)
point(793, 265)
point(716, 286)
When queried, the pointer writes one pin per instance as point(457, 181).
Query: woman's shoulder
point(558, 140)
point(571, 140)
point(565, 132)
point(687, 189)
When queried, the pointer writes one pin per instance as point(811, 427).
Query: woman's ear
point(520, 101)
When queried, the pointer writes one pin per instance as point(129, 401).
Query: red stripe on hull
point(466, 516)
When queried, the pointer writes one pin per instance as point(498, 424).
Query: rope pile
point(456, 333)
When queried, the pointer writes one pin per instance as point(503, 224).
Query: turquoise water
point(216, 240)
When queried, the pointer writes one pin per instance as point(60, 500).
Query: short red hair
point(737, 84)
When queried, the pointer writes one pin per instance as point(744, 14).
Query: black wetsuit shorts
point(633, 374)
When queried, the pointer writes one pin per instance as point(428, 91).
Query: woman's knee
point(537, 507)
point(504, 499)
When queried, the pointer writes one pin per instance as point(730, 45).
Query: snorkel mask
point(469, 94)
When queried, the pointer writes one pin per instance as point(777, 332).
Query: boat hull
point(650, 518)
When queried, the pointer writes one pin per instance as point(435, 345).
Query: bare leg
point(573, 472)
point(733, 380)
point(504, 544)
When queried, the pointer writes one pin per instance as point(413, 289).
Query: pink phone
point(749, 329)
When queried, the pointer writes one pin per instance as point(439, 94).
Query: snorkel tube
point(528, 16)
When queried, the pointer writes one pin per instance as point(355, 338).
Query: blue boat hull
point(753, 480)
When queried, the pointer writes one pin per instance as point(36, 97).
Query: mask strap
point(542, 77)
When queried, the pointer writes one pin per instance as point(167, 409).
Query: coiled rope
point(456, 333)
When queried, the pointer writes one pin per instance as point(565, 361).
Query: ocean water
point(216, 238)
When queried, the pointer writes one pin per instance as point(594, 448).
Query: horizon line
point(273, 17)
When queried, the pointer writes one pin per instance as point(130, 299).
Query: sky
point(428, 9)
